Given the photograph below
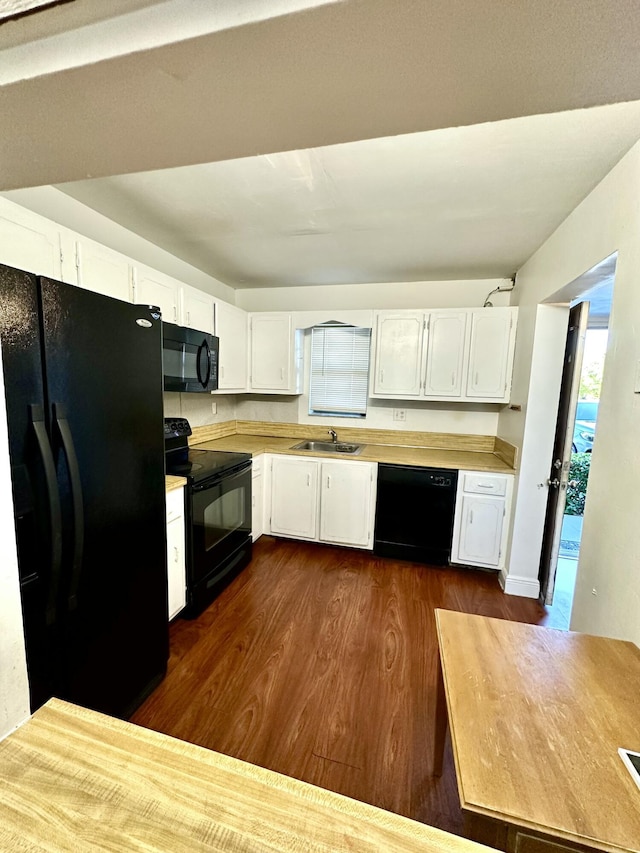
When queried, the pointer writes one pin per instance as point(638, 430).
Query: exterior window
point(339, 371)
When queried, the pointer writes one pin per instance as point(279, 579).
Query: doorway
point(574, 440)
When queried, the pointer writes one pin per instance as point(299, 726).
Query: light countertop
point(172, 482)
point(471, 460)
point(74, 780)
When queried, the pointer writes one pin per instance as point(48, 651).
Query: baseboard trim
point(524, 587)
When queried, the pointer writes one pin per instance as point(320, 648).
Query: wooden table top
point(74, 780)
point(536, 718)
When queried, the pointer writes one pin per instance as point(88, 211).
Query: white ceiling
point(470, 202)
point(406, 152)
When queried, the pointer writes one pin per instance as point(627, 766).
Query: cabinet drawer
point(175, 504)
point(484, 484)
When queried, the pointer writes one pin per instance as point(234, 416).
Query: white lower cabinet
point(294, 497)
point(482, 505)
point(176, 571)
point(257, 498)
point(347, 503)
point(323, 500)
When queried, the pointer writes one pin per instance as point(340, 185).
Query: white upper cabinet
point(104, 271)
point(276, 349)
point(231, 328)
point(458, 354)
point(491, 353)
point(398, 354)
point(154, 288)
point(197, 309)
point(445, 353)
point(29, 242)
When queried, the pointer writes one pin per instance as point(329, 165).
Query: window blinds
point(339, 370)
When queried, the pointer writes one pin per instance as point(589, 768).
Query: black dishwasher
point(414, 513)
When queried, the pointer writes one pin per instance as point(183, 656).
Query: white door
point(271, 344)
point(257, 501)
point(346, 503)
point(294, 497)
point(480, 530)
point(104, 271)
point(155, 289)
point(490, 352)
point(176, 577)
point(28, 242)
point(445, 353)
point(197, 310)
point(398, 354)
point(231, 329)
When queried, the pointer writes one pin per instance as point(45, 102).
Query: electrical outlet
point(399, 414)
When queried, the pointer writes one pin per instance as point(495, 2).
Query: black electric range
point(218, 513)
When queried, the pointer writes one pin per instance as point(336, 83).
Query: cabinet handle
point(282, 373)
point(453, 378)
point(221, 371)
point(175, 314)
point(308, 479)
point(476, 377)
point(382, 376)
point(328, 481)
point(188, 318)
point(471, 517)
point(484, 486)
point(175, 554)
point(253, 501)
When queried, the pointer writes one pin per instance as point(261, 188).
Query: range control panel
point(176, 428)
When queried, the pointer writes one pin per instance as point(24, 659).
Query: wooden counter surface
point(470, 460)
point(174, 482)
point(536, 718)
point(74, 780)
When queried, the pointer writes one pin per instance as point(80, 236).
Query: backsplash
point(198, 408)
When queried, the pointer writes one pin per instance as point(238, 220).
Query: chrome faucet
point(334, 435)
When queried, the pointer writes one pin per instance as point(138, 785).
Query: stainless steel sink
point(329, 447)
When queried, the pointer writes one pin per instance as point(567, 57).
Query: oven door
point(220, 520)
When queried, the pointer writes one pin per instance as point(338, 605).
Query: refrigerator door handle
point(36, 414)
point(61, 422)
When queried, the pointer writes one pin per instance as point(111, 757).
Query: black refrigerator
point(83, 385)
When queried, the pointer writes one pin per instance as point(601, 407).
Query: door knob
point(555, 482)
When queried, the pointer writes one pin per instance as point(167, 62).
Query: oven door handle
point(225, 477)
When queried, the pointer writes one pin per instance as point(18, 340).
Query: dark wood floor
point(319, 663)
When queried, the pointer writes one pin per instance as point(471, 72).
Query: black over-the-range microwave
point(189, 358)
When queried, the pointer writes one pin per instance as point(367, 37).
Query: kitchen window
point(339, 370)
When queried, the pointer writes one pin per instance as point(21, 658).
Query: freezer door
point(35, 493)
point(103, 364)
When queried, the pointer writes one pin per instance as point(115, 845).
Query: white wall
point(14, 687)
point(608, 220)
point(392, 294)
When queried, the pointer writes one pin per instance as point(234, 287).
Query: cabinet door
point(231, 328)
point(294, 497)
point(271, 352)
point(398, 354)
point(104, 271)
point(197, 310)
point(257, 501)
point(176, 575)
point(346, 503)
point(490, 354)
point(480, 530)
point(28, 242)
point(153, 288)
point(445, 353)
